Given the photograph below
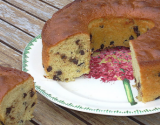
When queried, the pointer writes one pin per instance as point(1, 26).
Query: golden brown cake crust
point(10, 78)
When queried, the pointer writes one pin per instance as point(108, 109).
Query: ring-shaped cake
point(83, 26)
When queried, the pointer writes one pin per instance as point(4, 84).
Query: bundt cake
point(83, 26)
point(17, 96)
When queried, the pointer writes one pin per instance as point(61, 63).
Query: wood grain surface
point(48, 113)
point(58, 3)
point(22, 20)
point(9, 57)
point(13, 36)
point(34, 7)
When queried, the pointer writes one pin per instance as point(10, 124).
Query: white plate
point(87, 95)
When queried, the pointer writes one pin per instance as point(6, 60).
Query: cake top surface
point(76, 16)
point(10, 78)
point(148, 48)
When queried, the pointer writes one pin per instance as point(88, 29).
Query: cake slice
point(17, 96)
point(145, 52)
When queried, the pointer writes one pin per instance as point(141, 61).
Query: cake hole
point(114, 31)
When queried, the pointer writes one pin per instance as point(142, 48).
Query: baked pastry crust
point(10, 78)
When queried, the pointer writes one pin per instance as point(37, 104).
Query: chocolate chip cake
point(17, 96)
point(83, 26)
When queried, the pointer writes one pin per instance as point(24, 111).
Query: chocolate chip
point(32, 93)
point(43, 66)
point(70, 60)
point(92, 49)
point(90, 37)
point(126, 42)
point(12, 118)
point(24, 95)
point(112, 43)
point(49, 69)
point(63, 56)
point(81, 52)
point(135, 80)
point(24, 103)
point(101, 26)
point(1, 122)
point(120, 47)
point(138, 34)
point(75, 61)
point(59, 72)
point(157, 98)
point(138, 86)
point(81, 64)
point(33, 104)
point(159, 74)
point(26, 107)
point(77, 42)
point(131, 37)
point(102, 46)
point(135, 28)
point(8, 110)
point(66, 79)
point(56, 78)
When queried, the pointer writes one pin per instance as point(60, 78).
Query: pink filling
point(111, 65)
